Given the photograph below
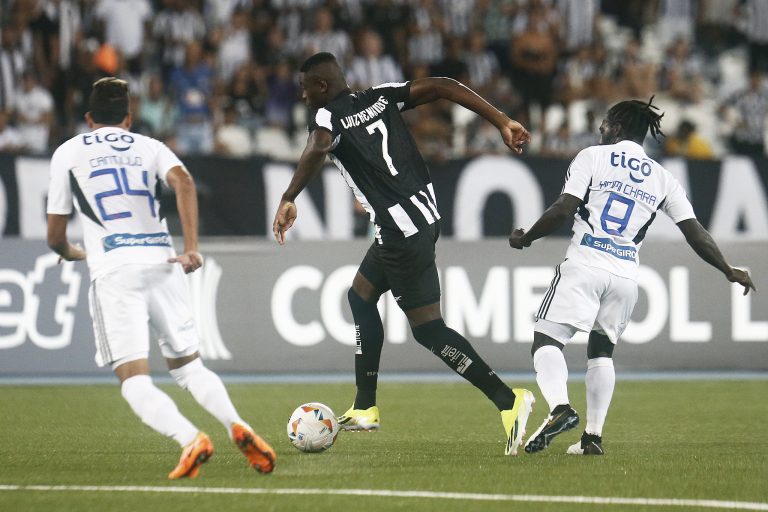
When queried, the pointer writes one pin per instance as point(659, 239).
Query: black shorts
point(407, 267)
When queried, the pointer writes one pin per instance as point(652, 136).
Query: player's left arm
point(705, 246)
point(183, 185)
point(426, 90)
point(312, 159)
point(563, 208)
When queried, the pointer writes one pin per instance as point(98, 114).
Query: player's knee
point(542, 340)
point(185, 374)
point(357, 304)
point(599, 345)
point(430, 332)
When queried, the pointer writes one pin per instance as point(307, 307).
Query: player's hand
point(75, 252)
point(284, 219)
point(514, 135)
point(190, 261)
point(736, 275)
point(516, 239)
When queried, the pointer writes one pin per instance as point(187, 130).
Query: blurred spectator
point(750, 107)
point(425, 37)
point(484, 140)
point(60, 33)
point(11, 140)
point(231, 138)
point(754, 14)
point(577, 77)
point(125, 26)
point(682, 73)
point(283, 95)
point(482, 64)
point(218, 13)
point(33, 112)
point(325, 38)
point(686, 142)
point(457, 15)
point(390, 19)
point(12, 63)
point(637, 77)
point(192, 86)
point(715, 27)
point(590, 134)
point(674, 20)
point(176, 25)
point(156, 110)
point(495, 18)
point(579, 23)
point(560, 143)
point(234, 43)
point(370, 67)
point(452, 64)
point(275, 48)
point(534, 55)
point(246, 92)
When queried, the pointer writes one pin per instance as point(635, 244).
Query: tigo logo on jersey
point(118, 240)
point(111, 139)
point(634, 165)
point(606, 245)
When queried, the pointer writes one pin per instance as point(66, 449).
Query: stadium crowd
point(220, 76)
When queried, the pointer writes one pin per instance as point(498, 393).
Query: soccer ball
point(312, 427)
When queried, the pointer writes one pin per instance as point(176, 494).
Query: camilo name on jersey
point(365, 115)
point(118, 240)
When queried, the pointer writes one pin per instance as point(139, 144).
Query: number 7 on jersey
point(380, 126)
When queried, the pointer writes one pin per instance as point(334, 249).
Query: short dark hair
point(316, 60)
point(108, 103)
point(636, 117)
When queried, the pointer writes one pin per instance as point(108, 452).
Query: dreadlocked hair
point(636, 117)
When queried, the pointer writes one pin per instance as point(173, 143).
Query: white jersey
point(622, 190)
point(113, 176)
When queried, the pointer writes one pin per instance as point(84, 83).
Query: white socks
point(600, 380)
point(551, 375)
point(157, 410)
point(208, 390)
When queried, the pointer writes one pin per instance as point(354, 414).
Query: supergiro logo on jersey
point(606, 245)
point(365, 115)
point(639, 169)
point(118, 240)
point(116, 141)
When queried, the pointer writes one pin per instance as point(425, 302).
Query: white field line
point(586, 500)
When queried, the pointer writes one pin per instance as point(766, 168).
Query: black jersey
point(374, 150)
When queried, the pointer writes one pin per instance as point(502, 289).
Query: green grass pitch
point(667, 439)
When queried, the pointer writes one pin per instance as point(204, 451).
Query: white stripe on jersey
point(430, 204)
point(355, 190)
point(400, 104)
point(323, 118)
point(403, 221)
point(423, 209)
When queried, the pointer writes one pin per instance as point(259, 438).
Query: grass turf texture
point(688, 440)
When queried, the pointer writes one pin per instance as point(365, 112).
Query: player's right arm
point(59, 208)
point(312, 159)
point(426, 90)
point(705, 246)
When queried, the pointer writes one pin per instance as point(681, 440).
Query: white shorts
point(132, 301)
point(584, 298)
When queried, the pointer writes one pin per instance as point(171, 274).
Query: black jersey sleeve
point(397, 93)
